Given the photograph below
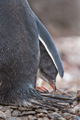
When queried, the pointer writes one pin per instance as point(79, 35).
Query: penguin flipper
point(48, 43)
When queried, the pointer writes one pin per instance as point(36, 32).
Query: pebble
point(45, 118)
point(8, 112)
point(12, 118)
point(74, 110)
point(78, 95)
point(28, 113)
point(16, 113)
point(61, 118)
point(40, 119)
point(30, 117)
point(54, 115)
point(76, 118)
point(40, 115)
point(3, 109)
point(68, 115)
point(41, 110)
point(24, 109)
point(2, 115)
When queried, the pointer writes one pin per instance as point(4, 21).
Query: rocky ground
point(66, 108)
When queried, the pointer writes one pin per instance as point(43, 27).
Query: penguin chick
point(47, 70)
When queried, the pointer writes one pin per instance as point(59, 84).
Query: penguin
point(24, 41)
point(47, 70)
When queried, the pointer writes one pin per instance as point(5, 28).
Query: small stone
point(41, 111)
point(45, 118)
point(57, 117)
point(4, 109)
point(1, 107)
point(8, 112)
point(40, 115)
point(60, 118)
point(76, 118)
point(74, 103)
point(16, 113)
point(24, 109)
point(13, 107)
point(2, 115)
point(51, 115)
point(68, 115)
point(22, 118)
point(71, 111)
point(40, 119)
point(78, 95)
point(54, 115)
point(74, 110)
point(12, 118)
point(28, 113)
point(30, 117)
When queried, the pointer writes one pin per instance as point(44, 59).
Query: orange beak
point(52, 85)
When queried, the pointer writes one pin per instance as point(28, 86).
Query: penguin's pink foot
point(42, 89)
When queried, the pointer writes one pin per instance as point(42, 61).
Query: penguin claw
point(42, 89)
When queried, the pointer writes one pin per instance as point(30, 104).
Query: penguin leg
point(47, 69)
